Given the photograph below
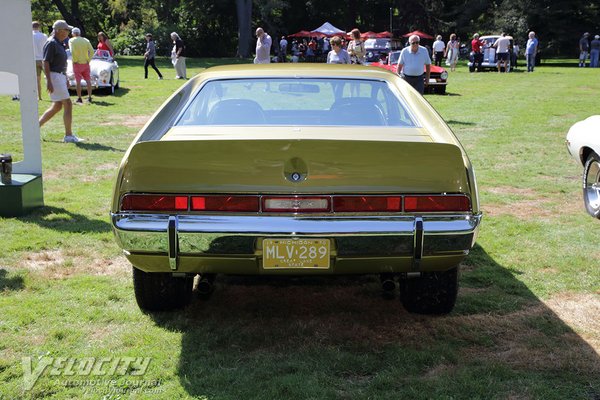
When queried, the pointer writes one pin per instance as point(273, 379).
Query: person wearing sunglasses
point(413, 60)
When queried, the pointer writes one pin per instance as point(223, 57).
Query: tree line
point(224, 28)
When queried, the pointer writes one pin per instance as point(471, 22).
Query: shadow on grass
point(335, 337)
point(97, 147)
point(10, 283)
point(62, 220)
point(454, 122)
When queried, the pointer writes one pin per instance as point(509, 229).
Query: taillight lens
point(436, 203)
point(225, 203)
point(296, 204)
point(367, 203)
point(148, 202)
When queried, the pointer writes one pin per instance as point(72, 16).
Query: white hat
point(61, 24)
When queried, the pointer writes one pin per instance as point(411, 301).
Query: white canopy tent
point(329, 30)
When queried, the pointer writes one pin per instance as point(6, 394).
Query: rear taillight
point(225, 203)
point(148, 202)
point(436, 203)
point(367, 203)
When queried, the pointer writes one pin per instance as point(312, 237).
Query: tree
point(244, 17)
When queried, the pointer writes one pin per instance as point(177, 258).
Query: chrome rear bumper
point(236, 236)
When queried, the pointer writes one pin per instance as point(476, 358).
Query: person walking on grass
point(149, 56)
point(39, 40)
point(411, 63)
point(178, 56)
point(584, 48)
point(81, 54)
point(55, 69)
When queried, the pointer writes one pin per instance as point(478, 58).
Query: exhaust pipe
point(388, 285)
point(205, 284)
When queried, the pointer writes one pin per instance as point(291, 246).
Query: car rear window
point(306, 101)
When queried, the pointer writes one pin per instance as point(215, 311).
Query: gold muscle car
point(298, 170)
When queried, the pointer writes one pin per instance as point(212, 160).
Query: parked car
point(489, 54)
point(104, 72)
point(438, 76)
point(583, 143)
point(377, 48)
point(298, 169)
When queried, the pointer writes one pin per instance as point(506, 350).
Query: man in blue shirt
point(531, 51)
point(413, 60)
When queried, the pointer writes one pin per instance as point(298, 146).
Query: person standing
point(502, 45)
point(439, 48)
point(356, 48)
point(337, 55)
point(81, 54)
point(584, 47)
point(55, 68)
point(178, 54)
point(263, 47)
point(149, 56)
point(413, 60)
point(104, 43)
point(39, 40)
point(476, 46)
point(530, 51)
point(452, 51)
point(595, 52)
point(283, 43)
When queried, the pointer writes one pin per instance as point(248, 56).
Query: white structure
point(17, 76)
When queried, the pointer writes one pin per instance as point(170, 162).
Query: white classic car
point(104, 72)
point(583, 142)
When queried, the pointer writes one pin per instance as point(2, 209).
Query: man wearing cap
point(584, 47)
point(413, 60)
point(81, 53)
point(595, 52)
point(39, 40)
point(55, 68)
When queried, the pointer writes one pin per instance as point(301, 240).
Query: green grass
point(525, 325)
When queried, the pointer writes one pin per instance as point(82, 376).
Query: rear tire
point(591, 185)
point(159, 291)
point(431, 293)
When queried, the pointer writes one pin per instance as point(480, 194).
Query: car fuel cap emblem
point(295, 177)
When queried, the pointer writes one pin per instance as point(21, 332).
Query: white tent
point(329, 30)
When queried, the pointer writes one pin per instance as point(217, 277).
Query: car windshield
point(394, 57)
point(377, 44)
point(101, 55)
point(293, 101)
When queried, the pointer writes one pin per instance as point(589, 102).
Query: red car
point(438, 76)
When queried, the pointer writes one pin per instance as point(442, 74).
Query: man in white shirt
point(39, 40)
point(413, 60)
point(263, 47)
point(438, 50)
point(502, 45)
point(283, 44)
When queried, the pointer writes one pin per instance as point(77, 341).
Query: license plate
point(296, 253)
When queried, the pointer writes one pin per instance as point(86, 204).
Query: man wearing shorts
point(55, 69)
point(81, 53)
point(39, 40)
point(502, 46)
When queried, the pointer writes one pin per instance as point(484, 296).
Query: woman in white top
point(356, 48)
point(337, 55)
point(452, 52)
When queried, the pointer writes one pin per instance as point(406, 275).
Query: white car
point(489, 54)
point(104, 72)
point(583, 142)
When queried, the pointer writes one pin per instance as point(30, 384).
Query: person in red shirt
point(476, 46)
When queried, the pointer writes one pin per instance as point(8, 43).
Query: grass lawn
point(526, 324)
